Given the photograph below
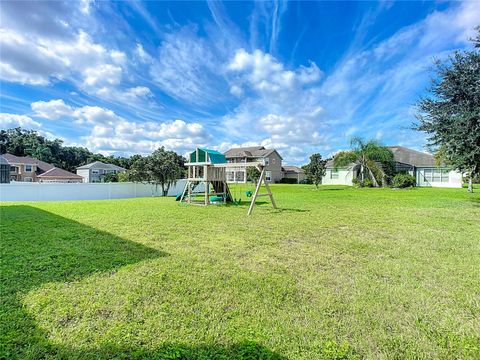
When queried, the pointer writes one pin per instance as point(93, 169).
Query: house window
point(95, 172)
point(267, 161)
point(13, 169)
point(268, 175)
point(28, 168)
point(230, 176)
point(273, 160)
point(28, 179)
point(334, 174)
point(436, 175)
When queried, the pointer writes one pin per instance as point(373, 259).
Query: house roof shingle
point(3, 161)
point(249, 152)
point(59, 173)
point(407, 156)
point(41, 165)
point(101, 165)
point(412, 157)
point(294, 169)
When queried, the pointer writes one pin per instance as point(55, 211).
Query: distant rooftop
point(249, 152)
point(43, 169)
point(407, 156)
point(98, 165)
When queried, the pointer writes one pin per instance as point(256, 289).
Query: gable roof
point(59, 173)
point(100, 165)
point(3, 161)
point(41, 165)
point(406, 156)
point(250, 152)
point(294, 169)
point(412, 157)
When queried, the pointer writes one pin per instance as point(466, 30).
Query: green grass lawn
point(335, 273)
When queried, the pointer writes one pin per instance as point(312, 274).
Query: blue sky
point(303, 77)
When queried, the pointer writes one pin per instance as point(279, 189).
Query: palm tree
point(367, 158)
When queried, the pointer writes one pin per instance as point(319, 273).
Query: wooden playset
point(207, 180)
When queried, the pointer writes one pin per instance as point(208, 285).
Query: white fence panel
point(23, 191)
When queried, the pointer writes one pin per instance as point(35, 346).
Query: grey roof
point(294, 169)
point(412, 157)
point(249, 152)
point(3, 161)
point(101, 166)
point(406, 156)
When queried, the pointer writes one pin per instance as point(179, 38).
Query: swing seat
point(248, 193)
point(216, 198)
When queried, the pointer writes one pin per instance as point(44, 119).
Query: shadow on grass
point(281, 210)
point(242, 351)
point(39, 247)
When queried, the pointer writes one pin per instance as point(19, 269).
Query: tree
point(22, 142)
point(110, 177)
point(315, 170)
point(450, 113)
point(368, 159)
point(252, 173)
point(162, 168)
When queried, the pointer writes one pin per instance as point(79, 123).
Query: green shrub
point(402, 181)
point(361, 184)
point(288, 181)
point(367, 183)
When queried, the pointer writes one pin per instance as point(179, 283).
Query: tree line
point(162, 167)
point(23, 142)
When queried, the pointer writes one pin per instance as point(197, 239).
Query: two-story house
point(95, 172)
point(29, 169)
point(269, 157)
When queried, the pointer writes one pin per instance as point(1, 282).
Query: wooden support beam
point(257, 190)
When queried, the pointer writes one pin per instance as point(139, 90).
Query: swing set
point(207, 180)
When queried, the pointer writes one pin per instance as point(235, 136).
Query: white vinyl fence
point(25, 191)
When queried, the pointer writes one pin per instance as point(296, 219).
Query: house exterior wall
point(18, 172)
point(274, 168)
point(430, 177)
point(345, 177)
point(85, 173)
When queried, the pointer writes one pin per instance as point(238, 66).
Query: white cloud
point(9, 121)
point(142, 54)
point(264, 73)
point(36, 60)
point(282, 106)
point(102, 75)
point(52, 110)
point(187, 69)
point(110, 133)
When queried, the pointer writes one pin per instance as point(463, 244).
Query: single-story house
point(419, 164)
point(293, 172)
